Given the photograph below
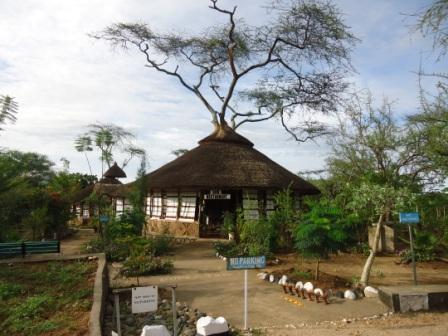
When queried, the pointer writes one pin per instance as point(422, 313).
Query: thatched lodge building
point(189, 195)
point(110, 187)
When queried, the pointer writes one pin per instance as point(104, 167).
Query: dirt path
point(204, 283)
point(74, 244)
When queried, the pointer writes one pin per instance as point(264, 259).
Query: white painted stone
point(319, 291)
point(370, 291)
point(283, 280)
point(155, 330)
point(299, 285)
point(350, 295)
point(308, 287)
point(271, 278)
point(207, 325)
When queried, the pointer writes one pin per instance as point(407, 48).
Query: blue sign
point(409, 217)
point(240, 263)
point(104, 219)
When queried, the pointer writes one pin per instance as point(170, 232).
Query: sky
point(64, 80)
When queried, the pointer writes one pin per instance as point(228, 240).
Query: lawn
point(51, 298)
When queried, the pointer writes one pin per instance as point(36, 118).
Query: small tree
point(320, 231)
point(283, 219)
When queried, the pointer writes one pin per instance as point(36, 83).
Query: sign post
point(411, 218)
point(245, 263)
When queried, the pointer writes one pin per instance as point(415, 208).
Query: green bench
point(8, 250)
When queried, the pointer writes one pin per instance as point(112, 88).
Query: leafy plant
point(425, 246)
point(9, 290)
point(320, 231)
point(146, 265)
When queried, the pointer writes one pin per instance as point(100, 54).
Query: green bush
point(229, 249)
point(256, 237)
point(146, 265)
point(9, 290)
point(425, 246)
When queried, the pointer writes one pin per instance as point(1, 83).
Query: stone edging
point(100, 290)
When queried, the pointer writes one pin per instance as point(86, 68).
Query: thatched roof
point(226, 160)
point(101, 187)
point(114, 171)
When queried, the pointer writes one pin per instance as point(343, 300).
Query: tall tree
point(109, 140)
point(291, 69)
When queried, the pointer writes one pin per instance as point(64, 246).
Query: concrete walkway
point(204, 283)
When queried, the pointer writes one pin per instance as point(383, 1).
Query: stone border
point(100, 290)
point(100, 287)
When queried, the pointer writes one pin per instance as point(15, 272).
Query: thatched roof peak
point(224, 133)
point(114, 171)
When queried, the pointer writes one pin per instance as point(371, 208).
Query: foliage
point(283, 219)
point(432, 21)
point(425, 247)
point(256, 237)
point(228, 222)
point(228, 249)
point(9, 290)
point(40, 298)
point(108, 139)
point(321, 230)
point(146, 265)
point(293, 65)
point(8, 110)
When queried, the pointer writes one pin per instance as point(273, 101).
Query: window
point(156, 205)
point(148, 205)
point(250, 204)
point(187, 206)
point(127, 204)
point(85, 211)
point(119, 206)
point(270, 205)
point(172, 202)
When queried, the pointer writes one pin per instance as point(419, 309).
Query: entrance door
point(213, 215)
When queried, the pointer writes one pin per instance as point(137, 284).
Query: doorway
point(214, 207)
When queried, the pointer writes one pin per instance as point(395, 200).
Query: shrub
point(229, 249)
point(146, 265)
point(9, 290)
point(425, 245)
point(256, 237)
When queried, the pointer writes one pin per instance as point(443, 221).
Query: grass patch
point(45, 298)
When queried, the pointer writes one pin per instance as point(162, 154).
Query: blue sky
point(64, 80)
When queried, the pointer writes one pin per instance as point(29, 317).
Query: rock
point(209, 326)
point(339, 294)
point(319, 291)
point(299, 285)
point(308, 287)
point(359, 293)
point(349, 294)
point(155, 330)
point(283, 280)
point(271, 278)
point(370, 291)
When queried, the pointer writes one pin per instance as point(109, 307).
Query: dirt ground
point(74, 244)
point(204, 283)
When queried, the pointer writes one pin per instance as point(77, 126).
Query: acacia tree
point(291, 69)
point(379, 164)
point(109, 139)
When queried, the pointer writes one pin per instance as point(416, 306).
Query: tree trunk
point(316, 277)
point(369, 262)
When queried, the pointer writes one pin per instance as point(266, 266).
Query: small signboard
point(240, 263)
point(144, 299)
point(104, 219)
point(409, 217)
point(217, 196)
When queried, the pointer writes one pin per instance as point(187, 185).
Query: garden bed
point(51, 298)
